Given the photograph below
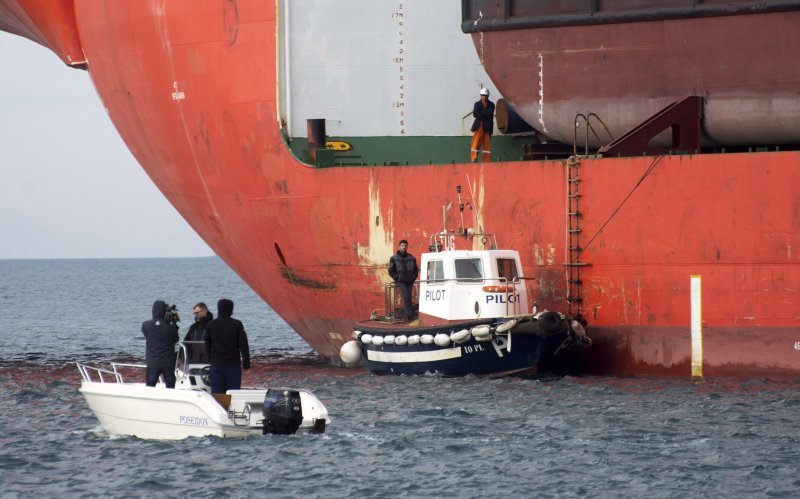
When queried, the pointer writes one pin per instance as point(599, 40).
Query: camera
point(171, 316)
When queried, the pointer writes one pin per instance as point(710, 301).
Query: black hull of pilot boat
point(472, 357)
point(528, 351)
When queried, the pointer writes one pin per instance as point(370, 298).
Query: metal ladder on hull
point(573, 264)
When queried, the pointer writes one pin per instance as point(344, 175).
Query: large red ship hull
point(192, 89)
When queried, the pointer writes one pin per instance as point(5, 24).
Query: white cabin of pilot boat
point(471, 284)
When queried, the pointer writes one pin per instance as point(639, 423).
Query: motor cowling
point(283, 412)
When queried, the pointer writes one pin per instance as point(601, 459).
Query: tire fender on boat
point(377, 340)
point(389, 339)
point(366, 339)
point(401, 340)
point(350, 353)
point(413, 339)
point(426, 339)
point(550, 322)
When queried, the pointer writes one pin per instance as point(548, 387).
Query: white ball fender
point(426, 339)
point(481, 331)
point(413, 339)
point(401, 340)
point(388, 339)
point(366, 339)
point(442, 339)
point(460, 336)
point(350, 353)
point(377, 340)
point(506, 326)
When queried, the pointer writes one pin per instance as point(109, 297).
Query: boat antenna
point(476, 215)
point(445, 209)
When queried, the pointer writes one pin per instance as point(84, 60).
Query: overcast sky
point(69, 187)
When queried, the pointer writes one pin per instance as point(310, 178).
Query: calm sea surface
point(390, 436)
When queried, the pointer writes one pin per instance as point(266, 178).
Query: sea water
point(404, 436)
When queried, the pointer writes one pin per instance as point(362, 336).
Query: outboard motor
point(282, 411)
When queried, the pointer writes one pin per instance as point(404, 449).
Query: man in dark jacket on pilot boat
point(227, 348)
point(403, 269)
point(202, 316)
point(160, 338)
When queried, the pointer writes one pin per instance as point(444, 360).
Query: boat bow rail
point(95, 374)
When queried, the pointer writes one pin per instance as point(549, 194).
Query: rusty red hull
point(192, 91)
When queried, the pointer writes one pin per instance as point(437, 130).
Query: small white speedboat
point(190, 409)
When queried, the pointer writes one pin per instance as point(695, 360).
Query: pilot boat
point(473, 318)
point(190, 409)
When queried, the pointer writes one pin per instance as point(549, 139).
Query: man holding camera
point(161, 334)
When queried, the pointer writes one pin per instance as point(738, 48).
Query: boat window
point(196, 351)
point(469, 269)
point(507, 268)
point(435, 271)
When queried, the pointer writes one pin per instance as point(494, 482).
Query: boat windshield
point(469, 269)
point(435, 271)
point(196, 352)
point(507, 268)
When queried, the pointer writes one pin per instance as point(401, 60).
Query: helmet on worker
point(485, 91)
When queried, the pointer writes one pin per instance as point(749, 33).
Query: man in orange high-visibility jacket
point(482, 128)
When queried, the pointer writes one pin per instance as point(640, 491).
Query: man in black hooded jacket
point(227, 348)
point(160, 338)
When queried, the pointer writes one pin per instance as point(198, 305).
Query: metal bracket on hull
point(683, 118)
